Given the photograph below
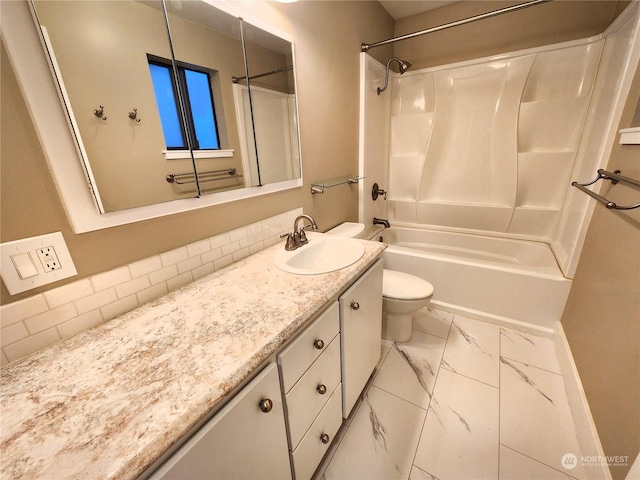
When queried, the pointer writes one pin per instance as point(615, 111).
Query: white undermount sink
point(323, 254)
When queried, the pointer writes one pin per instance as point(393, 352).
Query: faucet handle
point(290, 244)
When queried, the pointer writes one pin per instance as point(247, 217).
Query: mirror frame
point(42, 95)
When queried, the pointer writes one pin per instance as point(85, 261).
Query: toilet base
point(397, 327)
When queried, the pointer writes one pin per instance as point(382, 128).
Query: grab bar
point(210, 176)
point(615, 177)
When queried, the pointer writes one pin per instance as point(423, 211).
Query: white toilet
point(402, 294)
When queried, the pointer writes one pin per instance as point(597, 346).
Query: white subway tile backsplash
point(68, 293)
point(202, 270)
point(180, 281)
point(33, 323)
point(198, 248)
point(223, 262)
point(163, 274)
point(119, 307)
point(146, 266)
point(150, 294)
point(18, 311)
point(105, 280)
point(219, 240)
point(174, 256)
point(51, 318)
point(80, 323)
point(97, 300)
point(211, 255)
point(132, 286)
point(13, 333)
point(189, 264)
point(31, 344)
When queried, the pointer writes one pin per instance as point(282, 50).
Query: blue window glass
point(199, 93)
point(195, 89)
point(167, 105)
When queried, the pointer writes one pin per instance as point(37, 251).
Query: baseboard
point(588, 438)
point(524, 327)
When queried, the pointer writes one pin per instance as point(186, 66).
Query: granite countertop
point(108, 402)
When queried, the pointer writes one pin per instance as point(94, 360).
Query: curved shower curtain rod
point(366, 46)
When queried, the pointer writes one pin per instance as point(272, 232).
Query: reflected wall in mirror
point(266, 105)
point(102, 62)
point(104, 66)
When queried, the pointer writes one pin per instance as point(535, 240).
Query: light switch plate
point(49, 256)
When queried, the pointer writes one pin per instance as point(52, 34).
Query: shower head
point(403, 66)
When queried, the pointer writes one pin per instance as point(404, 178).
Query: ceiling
point(405, 8)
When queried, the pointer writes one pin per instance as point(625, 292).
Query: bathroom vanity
point(243, 369)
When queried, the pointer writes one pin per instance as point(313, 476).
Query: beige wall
point(543, 24)
point(602, 316)
point(328, 37)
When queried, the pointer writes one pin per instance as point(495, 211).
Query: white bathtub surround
point(519, 427)
point(512, 283)
point(36, 322)
point(491, 145)
point(110, 401)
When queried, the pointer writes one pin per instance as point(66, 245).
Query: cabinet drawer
point(303, 351)
point(312, 448)
point(305, 400)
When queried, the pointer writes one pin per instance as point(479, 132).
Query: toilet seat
point(403, 286)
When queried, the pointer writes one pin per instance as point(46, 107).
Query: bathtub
point(513, 283)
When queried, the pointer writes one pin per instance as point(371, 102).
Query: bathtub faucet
point(381, 221)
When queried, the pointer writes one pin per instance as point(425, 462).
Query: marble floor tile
point(473, 349)
point(410, 368)
point(530, 349)
point(535, 418)
point(381, 440)
point(460, 437)
point(515, 466)
point(432, 321)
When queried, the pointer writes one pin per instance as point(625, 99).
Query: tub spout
point(381, 221)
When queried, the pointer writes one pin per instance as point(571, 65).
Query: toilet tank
point(348, 229)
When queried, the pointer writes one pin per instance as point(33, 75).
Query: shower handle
point(376, 191)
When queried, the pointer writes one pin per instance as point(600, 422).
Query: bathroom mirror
point(104, 67)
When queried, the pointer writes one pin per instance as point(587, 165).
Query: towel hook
point(99, 112)
point(133, 115)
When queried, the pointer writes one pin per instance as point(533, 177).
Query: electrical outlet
point(49, 259)
point(33, 262)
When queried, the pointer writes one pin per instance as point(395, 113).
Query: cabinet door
point(360, 332)
point(240, 441)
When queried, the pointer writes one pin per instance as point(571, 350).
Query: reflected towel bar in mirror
point(615, 177)
point(210, 176)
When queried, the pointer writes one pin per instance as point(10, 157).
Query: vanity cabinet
point(311, 387)
point(245, 439)
point(360, 333)
point(319, 376)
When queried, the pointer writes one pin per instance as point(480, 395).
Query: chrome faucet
point(298, 237)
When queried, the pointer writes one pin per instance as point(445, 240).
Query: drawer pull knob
point(324, 438)
point(322, 389)
point(319, 344)
point(266, 405)
point(355, 305)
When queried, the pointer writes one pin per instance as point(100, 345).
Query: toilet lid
point(403, 286)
